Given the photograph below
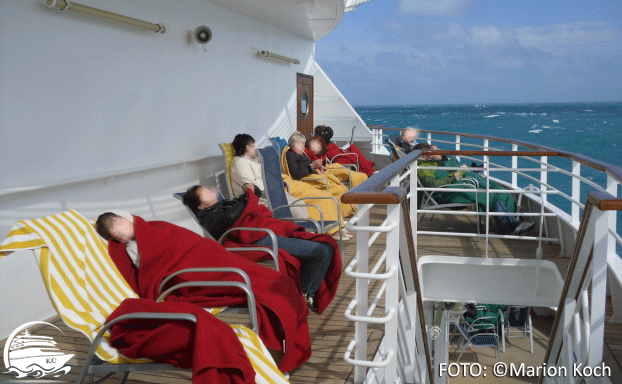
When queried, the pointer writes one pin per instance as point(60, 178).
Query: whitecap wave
point(556, 121)
point(491, 116)
point(535, 131)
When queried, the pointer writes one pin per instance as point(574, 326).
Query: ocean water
point(590, 129)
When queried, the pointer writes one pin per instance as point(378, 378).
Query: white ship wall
point(96, 115)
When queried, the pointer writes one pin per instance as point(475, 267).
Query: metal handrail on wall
point(65, 5)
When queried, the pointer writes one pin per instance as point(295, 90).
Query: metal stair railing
point(575, 350)
point(404, 354)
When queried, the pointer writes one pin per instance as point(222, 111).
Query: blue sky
point(389, 52)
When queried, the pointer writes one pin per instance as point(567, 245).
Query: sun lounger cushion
point(85, 286)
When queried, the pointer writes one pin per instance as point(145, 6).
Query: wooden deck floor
point(330, 333)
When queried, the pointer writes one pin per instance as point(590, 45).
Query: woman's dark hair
point(422, 146)
point(325, 132)
point(240, 141)
point(102, 225)
point(319, 140)
point(191, 199)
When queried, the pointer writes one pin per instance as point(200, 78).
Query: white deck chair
point(85, 287)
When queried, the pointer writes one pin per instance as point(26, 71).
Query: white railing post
point(362, 296)
point(458, 146)
point(392, 292)
point(599, 286)
point(543, 199)
point(514, 166)
point(414, 201)
point(487, 176)
point(430, 138)
point(612, 188)
point(575, 213)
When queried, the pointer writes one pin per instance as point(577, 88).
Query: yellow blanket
point(85, 286)
point(318, 188)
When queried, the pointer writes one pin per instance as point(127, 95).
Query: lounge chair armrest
point(236, 284)
point(136, 315)
point(314, 179)
point(347, 154)
point(315, 222)
point(207, 270)
point(275, 247)
point(271, 252)
point(324, 198)
point(307, 205)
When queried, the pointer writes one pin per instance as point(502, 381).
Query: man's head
point(409, 135)
point(297, 142)
point(199, 197)
point(113, 226)
point(244, 144)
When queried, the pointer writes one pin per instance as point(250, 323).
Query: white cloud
point(433, 7)
point(559, 39)
point(490, 35)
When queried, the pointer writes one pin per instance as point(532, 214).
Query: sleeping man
point(313, 259)
point(147, 252)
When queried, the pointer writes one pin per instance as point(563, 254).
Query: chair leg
point(503, 337)
point(124, 377)
point(463, 349)
point(530, 333)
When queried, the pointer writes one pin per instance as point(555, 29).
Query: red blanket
point(165, 248)
point(210, 348)
point(258, 216)
point(366, 166)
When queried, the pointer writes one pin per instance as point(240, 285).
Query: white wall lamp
point(65, 5)
point(279, 57)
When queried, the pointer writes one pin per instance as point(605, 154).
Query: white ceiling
point(311, 19)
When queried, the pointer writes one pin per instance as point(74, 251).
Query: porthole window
point(304, 104)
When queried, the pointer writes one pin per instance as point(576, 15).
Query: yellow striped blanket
point(85, 286)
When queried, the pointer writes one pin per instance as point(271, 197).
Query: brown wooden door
point(304, 97)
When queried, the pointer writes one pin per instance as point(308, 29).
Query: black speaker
point(202, 34)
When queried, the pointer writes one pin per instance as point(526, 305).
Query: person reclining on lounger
point(350, 155)
point(297, 164)
point(407, 138)
point(163, 248)
point(315, 149)
point(312, 258)
point(246, 169)
point(498, 202)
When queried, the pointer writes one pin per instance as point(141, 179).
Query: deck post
point(514, 166)
point(544, 174)
point(599, 286)
point(576, 193)
point(362, 296)
point(612, 188)
point(458, 146)
point(392, 292)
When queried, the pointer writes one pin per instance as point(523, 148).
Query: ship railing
point(487, 214)
point(403, 354)
point(573, 177)
point(576, 343)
